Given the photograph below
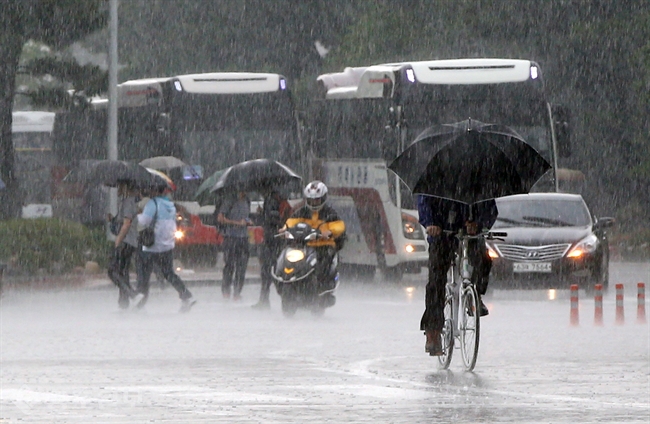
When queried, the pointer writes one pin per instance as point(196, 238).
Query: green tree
point(56, 23)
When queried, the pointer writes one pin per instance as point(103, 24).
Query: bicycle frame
point(461, 308)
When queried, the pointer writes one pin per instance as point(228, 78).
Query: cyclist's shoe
point(482, 308)
point(433, 344)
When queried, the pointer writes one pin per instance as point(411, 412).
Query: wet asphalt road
point(71, 356)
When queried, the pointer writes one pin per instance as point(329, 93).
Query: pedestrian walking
point(234, 216)
point(274, 214)
point(160, 213)
point(126, 242)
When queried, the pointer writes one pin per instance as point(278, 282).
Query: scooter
point(296, 276)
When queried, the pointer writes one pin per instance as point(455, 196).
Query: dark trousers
point(325, 257)
point(441, 252)
point(165, 262)
point(118, 271)
point(268, 257)
point(235, 258)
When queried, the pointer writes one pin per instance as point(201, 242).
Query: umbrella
point(254, 175)
point(163, 163)
point(159, 174)
point(203, 194)
point(111, 172)
point(469, 161)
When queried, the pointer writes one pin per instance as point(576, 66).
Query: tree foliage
point(56, 23)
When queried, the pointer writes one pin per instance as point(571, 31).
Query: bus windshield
point(353, 128)
point(520, 106)
point(217, 131)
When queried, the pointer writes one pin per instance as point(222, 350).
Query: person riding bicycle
point(319, 215)
point(438, 214)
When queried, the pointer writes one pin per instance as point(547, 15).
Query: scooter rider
point(319, 215)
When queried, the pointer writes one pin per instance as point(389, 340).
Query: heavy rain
point(327, 211)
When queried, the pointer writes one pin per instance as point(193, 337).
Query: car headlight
point(179, 234)
point(587, 245)
point(295, 256)
point(411, 227)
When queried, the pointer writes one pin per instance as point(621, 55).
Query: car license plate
point(531, 267)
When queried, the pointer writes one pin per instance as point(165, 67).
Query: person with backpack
point(160, 214)
point(275, 212)
point(234, 218)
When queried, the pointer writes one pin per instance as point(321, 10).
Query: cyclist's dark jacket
point(436, 211)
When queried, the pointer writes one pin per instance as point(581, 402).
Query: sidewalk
point(191, 277)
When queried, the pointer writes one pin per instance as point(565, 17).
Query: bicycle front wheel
point(447, 334)
point(469, 326)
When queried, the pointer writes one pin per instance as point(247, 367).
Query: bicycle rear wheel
point(469, 326)
point(447, 334)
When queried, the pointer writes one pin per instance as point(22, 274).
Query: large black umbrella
point(111, 172)
point(469, 161)
point(254, 175)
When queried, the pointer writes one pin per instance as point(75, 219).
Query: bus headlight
point(585, 246)
point(295, 256)
point(411, 228)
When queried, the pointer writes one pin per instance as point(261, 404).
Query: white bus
point(366, 116)
point(210, 121)
point(32, 138)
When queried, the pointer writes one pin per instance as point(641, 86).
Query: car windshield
point(525, 212)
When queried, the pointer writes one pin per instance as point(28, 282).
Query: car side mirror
point(604, 222)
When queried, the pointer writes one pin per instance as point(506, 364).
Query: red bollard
point(620, 315)
point(598, 303)
point(640, 308)
point(575, 314)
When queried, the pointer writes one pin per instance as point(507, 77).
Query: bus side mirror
point(562, 124)
point(393, 118)
point(162, 122)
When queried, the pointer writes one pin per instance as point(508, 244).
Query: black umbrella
point(111, 172)
point(470, 161)
point(254, 175)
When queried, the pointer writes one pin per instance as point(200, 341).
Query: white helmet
point(315, 195)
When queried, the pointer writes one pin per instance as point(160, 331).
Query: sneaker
point(433, 345)
point(226, 296)
point(236, 297)
point(262, 305)
point(187, 304)
point(482, 308)
point(138, 300)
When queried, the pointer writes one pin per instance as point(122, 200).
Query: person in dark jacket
point(438, 214)
point(234, 215)
point(126, 242)
point(275, 212)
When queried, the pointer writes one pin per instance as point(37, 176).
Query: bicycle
point(461, 310)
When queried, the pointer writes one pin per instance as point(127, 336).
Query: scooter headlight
point(295, 255)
